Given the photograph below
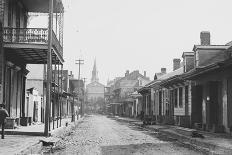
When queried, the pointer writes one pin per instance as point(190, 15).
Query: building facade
point(123, 102)
point(95, 91)
point(22, 45)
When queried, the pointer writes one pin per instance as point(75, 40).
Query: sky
point(143, 35)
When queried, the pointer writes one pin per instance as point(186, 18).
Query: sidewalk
point(35, 129)
point(212, 142)
point(27, 139)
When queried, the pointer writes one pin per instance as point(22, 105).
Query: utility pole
point(79, 62)
point(49, 70)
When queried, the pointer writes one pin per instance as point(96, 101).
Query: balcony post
point(49, 69)
point(1, 64)
point(61, 103)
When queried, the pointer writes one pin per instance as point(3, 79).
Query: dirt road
point(98, 134)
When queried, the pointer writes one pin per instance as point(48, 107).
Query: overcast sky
point(142, 35)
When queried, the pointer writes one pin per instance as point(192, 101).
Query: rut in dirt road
point(97, 134)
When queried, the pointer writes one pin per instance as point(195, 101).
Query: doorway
point(196, 104)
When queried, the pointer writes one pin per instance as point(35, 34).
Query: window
point(10, 13)
point(140, 82)
point(180, 97)
point(197, 58)
point(186, 100)
point(160, 102)
point(175, 98)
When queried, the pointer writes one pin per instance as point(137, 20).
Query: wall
point(36, 71)
point(95, 91)
point(23, 14)
point(37, 83)
point(209, 56)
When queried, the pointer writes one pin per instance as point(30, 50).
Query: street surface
point(97, 134)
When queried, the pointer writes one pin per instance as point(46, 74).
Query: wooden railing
point(30, 35)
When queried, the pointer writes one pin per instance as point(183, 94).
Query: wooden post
point(53, 97)
point(58, 97)
point(73, 115)
point(61, 105)
point(49, 68)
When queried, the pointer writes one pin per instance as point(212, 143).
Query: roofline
point(188, 54)
point(198, 72)
point(219, 47)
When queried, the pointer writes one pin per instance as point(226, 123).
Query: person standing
point(3, 115)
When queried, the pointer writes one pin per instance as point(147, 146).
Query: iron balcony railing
point(30, 36)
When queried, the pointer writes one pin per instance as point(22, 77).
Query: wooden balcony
point(31, 40)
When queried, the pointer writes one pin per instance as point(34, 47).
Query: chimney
point(205, 38)
point(163, 70)
point(188, 60)
point(127, 73)
point(176, 64)
point(144, 73)
point(71, 74)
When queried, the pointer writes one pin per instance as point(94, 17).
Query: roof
point(187, 54)
point(203, 70)
point(173, 73)
point(195, 47)
point(229, 43)
point(158, 75)
point(133, 77)
point(161, 78)
point(41, 5)
point(128, 83)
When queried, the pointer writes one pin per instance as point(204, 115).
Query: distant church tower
point(94, 73)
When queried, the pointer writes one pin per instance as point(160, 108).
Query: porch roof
point(30, 54)
point(41, 6)
point(172, 80)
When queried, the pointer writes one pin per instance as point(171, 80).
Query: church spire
point(94, 73)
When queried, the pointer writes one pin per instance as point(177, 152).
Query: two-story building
point(22, 45)
point(124, 87)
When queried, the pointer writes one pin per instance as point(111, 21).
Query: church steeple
point(94, 73)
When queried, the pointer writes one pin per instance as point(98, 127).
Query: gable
point(95, 84)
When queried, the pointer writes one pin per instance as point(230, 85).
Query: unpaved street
point(98, 134)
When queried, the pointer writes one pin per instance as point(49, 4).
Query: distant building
point(36, 86)
point(122, 101)
point(95, 90)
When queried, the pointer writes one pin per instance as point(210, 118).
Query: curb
point(24, 133)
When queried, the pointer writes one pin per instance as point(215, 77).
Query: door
point(197, 104)
point(35, 111)
point(229, 102)
point(214, 103)
point(160, 103)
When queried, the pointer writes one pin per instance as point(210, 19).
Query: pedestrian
point(3, 115)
